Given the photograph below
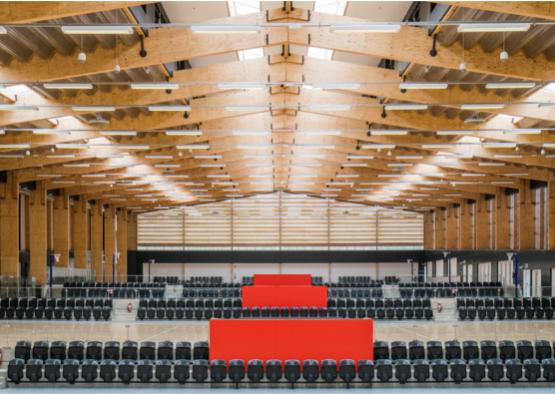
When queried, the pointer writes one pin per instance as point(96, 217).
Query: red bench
point(289, 296)
point(282, 279)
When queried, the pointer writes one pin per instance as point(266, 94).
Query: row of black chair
point(112, 292)
point(498, 302)
point(378, 303)
point(450, 284)
point(24, 302)
point(450, 350)
point(167, 280)
point(211, 292)
point(112, 350)
point(274, 371)
point(191, 303)
point(283, 312)
point(355, 292)
point(112, 285)
point(86, 313)
point(519, 313)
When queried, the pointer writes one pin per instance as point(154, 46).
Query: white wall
point(234, 272)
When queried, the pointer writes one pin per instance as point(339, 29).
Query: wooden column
point(526, 217)
point(96, 241)
point(132, 243)
point(439, 222)
point(429, 230)
point(37, 234)
point(61, 228)
point(122, 245)
point(109, 241)
point(482, 223)
point(465, 232)
point(80, 233)
point(501, 221)
point(452, 231)
point(9, 226)
point(550, 225)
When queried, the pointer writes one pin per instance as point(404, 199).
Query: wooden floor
point(12, 331)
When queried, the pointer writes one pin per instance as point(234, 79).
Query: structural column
point(97, 249)
point(550, 225)
point(37, 234)
point(428, 230)
point(79, 233)
point(109, 242)
point(465, 231)
point(122, 245)
point(439, 222)
point(452, 231)
point(61, 228)
point(9, 226)
point(526, 217)
point(132, 243)
point(501, 221)
point(482, 223)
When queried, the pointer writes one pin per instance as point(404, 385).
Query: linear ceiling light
point(492, 27)
point(14, 107)
point(406, 107)
point(328, 107)
point(319, 132)
point(354, 165)
point(360, 157)
point(158, 157)
point(510, 85)
point(97, 29)
point(239, 108)
point(168, 165)
point(93, 108)
point(128, 133)
point(176, 133)
point(507, 156)
point(523, 131)
point(241, 85)
point(193, 146)
point(335, 85)
point(388, 132)
point(68, 85)
point(454, 132)
point(423, 85)
point(154, 86)
point(169, 108)
point(225, 29)
point(366, 28)
point(499, 144)
point(482, 106)
point(377, 146)
point(61, 156)
point(132, 146)
point(207, 157)
point(50, 132)
point(490, 164)
point(437, 146)
point(212, 165)
point(72, 146)
point(15, 146)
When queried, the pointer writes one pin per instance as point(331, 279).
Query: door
point(536, 283)
point(526, 283)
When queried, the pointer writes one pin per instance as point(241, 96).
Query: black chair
point(76, 350)
point(129, 350)
point(273, 370)
point(548, 366)
point(514, 370)
point(421, 370)
point(381, 350)
point(183, 350)
point(542, 350)
point(365, 370)
point(33, 370)
point(532, 369)
point(416, 350)
point(94, 350)
point(218, 370)
point(70, 371)
point(200, 350)
point(488, 350)
point(458, 370)
point(40, 350)
point(311, 370)
point(434, 350)
point(163, 370)
point(58, 350)
point(292, 371)
point(470, 350)
point(89, 370)
point(145, 370)
point(126, 371)
point(112, 350)
point(495, 369)
point(328, 370)
point(180, 370)
point(164, 350)
point(402, 370)
point(108, 370)
point(439, 369)
point(384, 370)
point(15, 370)
point(147, 350)
point(506, 350)
point(347, 370)
point(453, 350)
point(200, 370)
point(22, 350)
point(398, 350)
point(52, 369)
point(236, 370)
point(255, 370)
point(476, 370)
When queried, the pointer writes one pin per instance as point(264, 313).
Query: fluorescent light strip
point(423, 85)
point(207, 157)
point(193, 146)
point(529, 131)
point(169, 108)
point(158, 157)
point(183, 133)
point(127, 133)
point(335, 85)
point(154, 86)
point(225, 29)
point(347, 165)
point(484, 106)
point(490, 164)
point(501, 145)
point(167, 165)
point(77, 165)
point(510, 85)
point(328, 107)
point(50, 132)
point(93, 108)
point(244, 108)
point(388, 132)
point(377, 146)
point(61, 156)
point(360, 157)
point(241, 85)
point(406, 107)
point(366, 28)
point(68, 85)
point(14, 107)
point(213, 165)
point(97, 29)
point(492, 27)
point(72, 146)
point(319, 132)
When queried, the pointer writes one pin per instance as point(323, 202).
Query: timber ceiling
point(327, 126)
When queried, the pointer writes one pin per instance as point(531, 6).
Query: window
point(330, 7)
point(243, 7)
point(319, 53)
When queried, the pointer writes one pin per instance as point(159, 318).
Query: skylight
point(243, 7)
point(253, 53)
point(319, 53)
point(330, 7)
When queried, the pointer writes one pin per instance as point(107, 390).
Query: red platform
point(282, 279)
point(289, 296)
point(285, 339)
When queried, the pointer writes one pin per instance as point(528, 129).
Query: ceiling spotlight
point(117, 69)
point(504, 56)
point(542, 152)
point(462, 66)
point(82, 57)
